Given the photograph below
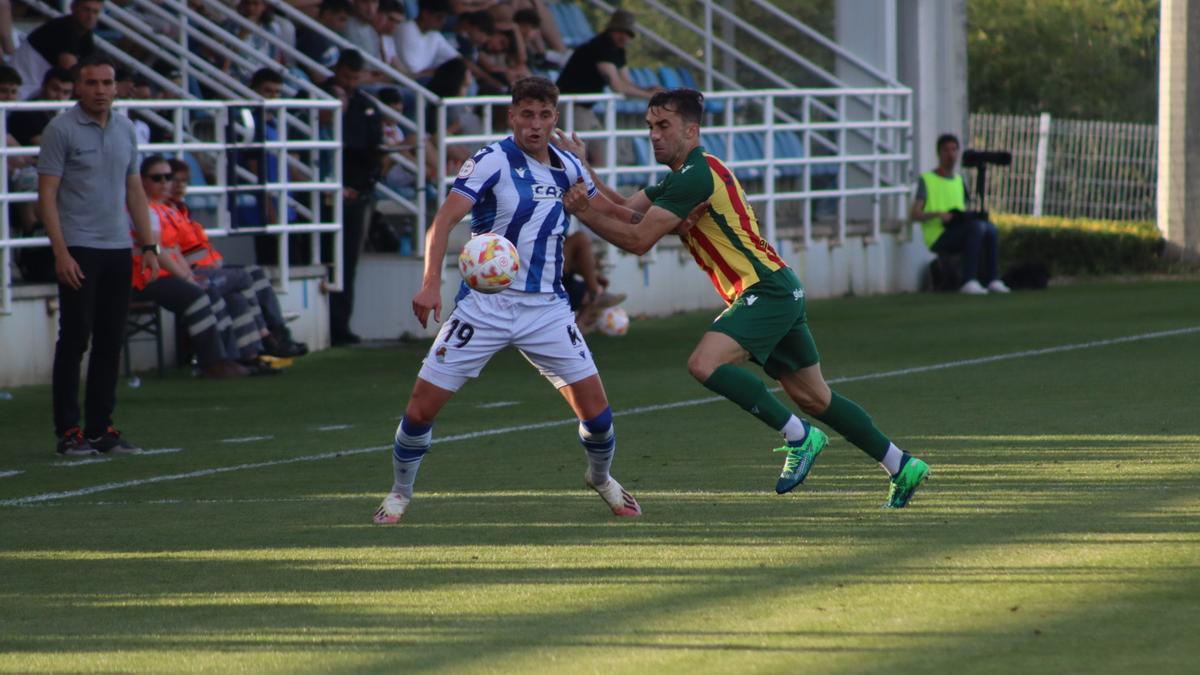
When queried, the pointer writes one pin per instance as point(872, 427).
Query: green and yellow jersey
point(726, 241)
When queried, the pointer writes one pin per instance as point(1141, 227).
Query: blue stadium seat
point(196, 178)
point(572, 23)
point(745, 149)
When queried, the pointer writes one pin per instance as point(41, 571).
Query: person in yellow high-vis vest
point(940, 207)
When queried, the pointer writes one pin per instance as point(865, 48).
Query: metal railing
point(311, 198)
point(781, 174)
point(1070, 168)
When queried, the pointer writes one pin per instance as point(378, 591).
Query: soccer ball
point(613, 321)
point(489, 263)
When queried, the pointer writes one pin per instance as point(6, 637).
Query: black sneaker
point(258, 367)
point(73, 444)
point(111, 443)
point(283, 348)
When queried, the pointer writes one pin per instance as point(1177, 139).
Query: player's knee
point(700, 367)
point(419, 414)
point(599, 425)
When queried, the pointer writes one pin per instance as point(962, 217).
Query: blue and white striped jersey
point(519, 198)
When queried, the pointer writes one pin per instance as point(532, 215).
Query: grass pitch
point(1060, 531)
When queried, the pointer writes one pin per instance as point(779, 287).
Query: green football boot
point(800, 459)
point(905, 483)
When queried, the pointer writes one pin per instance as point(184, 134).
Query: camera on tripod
point(979, 160)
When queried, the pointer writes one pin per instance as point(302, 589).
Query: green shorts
point(768, 320)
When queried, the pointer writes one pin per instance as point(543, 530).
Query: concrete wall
point(669, 284)
point(29, 333)
point(933, 62)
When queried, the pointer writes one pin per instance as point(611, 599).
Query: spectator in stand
point(58, 43)
point(333, 14)
point(258, 13)
point(598, 63)
point(396, 142)
point(10, 84)
point(249, 280)
point(382, 44)
point(504, 55)
point(472, 31)
point(27, 125)
point(176, 289)
point(548, 36)
point(87, 177)
point(426, 54)
point(529, 28)
point(262, 208)
point(34, 263)
point(362, 136)
point(359, 30)
point(949, 229)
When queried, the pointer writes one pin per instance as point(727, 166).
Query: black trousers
point(355, 217)
point(96, 311)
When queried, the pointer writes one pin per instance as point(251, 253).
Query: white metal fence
point(856, 164)
point(1071, 168)
point(307, 181)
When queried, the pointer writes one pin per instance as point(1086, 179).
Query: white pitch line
point(246, 439)
point(10, 474)
point(106, 487)
point(498, 404)
point(335, 427)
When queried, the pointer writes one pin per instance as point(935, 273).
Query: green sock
point(750, 393)
point(851, 421)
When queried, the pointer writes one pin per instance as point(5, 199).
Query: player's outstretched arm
point(637, 234)
point(429, 298)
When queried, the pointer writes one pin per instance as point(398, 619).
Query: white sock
point(891, 460)
point(794, 430)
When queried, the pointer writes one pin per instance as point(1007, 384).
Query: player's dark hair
point(390, 6)
point(433, 6)
point(947, 138)
point(390, 96)
point(9, 75)
point(93, 60)
point(150, 161)
point(264, 75)
point(535, 89)
point(178, 165)
point(687, 103)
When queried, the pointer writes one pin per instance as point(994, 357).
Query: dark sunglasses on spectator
point(160, 177)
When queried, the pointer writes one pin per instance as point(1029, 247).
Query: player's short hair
point(264, 75)
point(150, 161)
point(390, 7)
point(178, 165)
point(947, 138)
point(9, 75)
point(93, 60)
point(535, 89)
point(687, 103)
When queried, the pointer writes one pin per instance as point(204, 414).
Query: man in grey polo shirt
point(87, 178)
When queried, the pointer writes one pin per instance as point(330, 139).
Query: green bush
point(1081, 246)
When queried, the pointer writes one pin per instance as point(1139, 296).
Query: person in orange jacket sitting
point(176, 289)
point(249, 280)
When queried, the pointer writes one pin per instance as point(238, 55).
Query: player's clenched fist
point(576, 200)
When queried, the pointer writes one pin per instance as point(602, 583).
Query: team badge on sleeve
point(468, 168)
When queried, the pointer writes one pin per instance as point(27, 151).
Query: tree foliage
point(1089, 59)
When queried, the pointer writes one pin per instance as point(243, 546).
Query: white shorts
point(540, 325)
